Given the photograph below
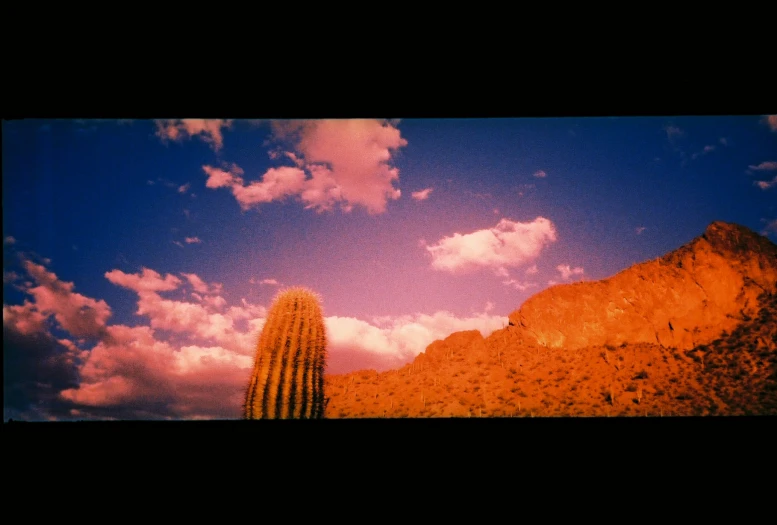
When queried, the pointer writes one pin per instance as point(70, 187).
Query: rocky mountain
point(690, 333)
point(683, 299)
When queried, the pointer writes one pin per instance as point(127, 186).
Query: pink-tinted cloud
point(421, 195)
point(198, 284)
point(707, 149)
point(507, 244)
point(764, 166)
point(25, 319)
point(9, 240)
point(79, 315)
point(184, 188)
point(343, 162)
point(134, 374)
point(532, 270)
point(209, 130)
point(276, 184)
point(765, 185)
point(540, 174)
point(351, 158)
point(567, 272)
point(192, 240)
point(771, 121)
point(640, 229)
point(147, 281)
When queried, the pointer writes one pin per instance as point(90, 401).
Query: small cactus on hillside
point(288, 376)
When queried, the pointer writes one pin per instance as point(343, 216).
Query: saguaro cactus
point(288, 377)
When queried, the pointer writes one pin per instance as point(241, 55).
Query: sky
point(140, 257)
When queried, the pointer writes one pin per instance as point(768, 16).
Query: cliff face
point(685, 298)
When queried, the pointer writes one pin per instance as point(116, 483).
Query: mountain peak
point(735, 239)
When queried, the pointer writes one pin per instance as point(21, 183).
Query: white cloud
point(403, 337)
point(507, 244)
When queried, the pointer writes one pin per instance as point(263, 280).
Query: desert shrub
point(642, 374)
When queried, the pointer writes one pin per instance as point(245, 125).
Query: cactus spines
point(288, 376)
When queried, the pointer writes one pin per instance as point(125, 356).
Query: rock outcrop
point(688, 297)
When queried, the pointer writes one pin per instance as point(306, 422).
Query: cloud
point(271, 282)
point(532, 270)
point(771, 227)
point(567, 272)
point(147, 281)
point(707, 149)
point(673, 132)
point(25, 319)
point(349, 161)
point(764, 166)
point(133, 375)
point(79, 315)
point(393, 341)
point(184, 188)
point(10, 240)
point(771, 121)
point(518, 285)
point(201, 286)
point(640, 229)
point(507, 244)
point(178, 243)
point(36, 367)
point(192, 240)
point(421, 195)
point(276, 184)
point(209, 130)
point(345, 162)
point(765, 185)
point(540, 174)
point(723, 141)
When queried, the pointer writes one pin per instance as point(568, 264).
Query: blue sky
point(407, 229)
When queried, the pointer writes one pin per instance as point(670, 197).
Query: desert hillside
point(691, 333)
